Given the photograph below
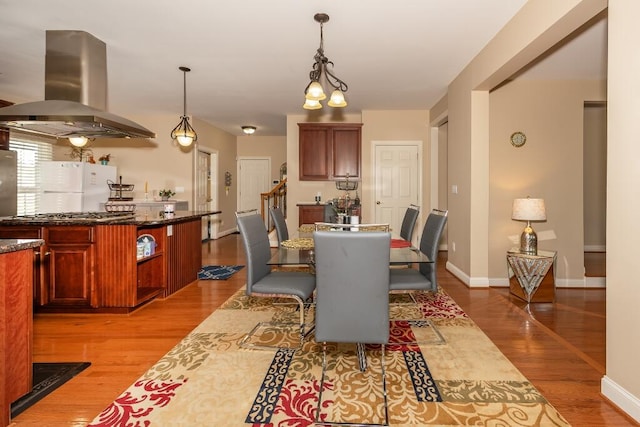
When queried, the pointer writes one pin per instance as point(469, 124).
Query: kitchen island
point(93, 262)
point(16, 320)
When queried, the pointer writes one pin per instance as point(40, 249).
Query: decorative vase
point(165, 198)
point(104, 162)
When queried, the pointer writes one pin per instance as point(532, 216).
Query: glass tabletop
point(292, 256)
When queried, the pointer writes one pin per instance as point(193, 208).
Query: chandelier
point(323, 69)
point(184, 133)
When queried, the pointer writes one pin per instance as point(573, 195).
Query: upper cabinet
point(330, 151)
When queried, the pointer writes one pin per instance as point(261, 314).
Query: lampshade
point(322, 72)
point(337, 99)
point(311, 104)
point(248, 130)
point(78, 141)
point(315, 92)
point(528, 210)
point(184, 132)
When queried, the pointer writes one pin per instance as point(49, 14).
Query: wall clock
point(518, 139)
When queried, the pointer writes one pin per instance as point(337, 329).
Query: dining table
point(299, 250)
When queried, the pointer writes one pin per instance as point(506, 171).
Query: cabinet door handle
point(39, 253)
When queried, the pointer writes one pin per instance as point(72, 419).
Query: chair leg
point(245, 342)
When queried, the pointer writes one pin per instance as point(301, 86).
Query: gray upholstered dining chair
point(262, 282)
point(352, 297)
point(279, 222)
point(409, 222)
point(424, 277)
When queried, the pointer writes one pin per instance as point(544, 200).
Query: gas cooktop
point(69, 216)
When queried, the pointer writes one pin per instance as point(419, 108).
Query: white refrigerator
point(74, 186)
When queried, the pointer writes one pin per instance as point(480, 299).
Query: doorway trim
point(379, 143)
point(213, 224)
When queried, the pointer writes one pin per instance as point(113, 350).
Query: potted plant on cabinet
point(165, 194)
point(104, 159)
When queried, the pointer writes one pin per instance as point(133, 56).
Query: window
point(31, 153)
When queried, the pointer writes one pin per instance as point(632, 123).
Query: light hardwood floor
point(560, 347)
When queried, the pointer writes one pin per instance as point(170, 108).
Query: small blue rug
point(218, 272)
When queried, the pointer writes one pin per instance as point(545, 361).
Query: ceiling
point(250, 59)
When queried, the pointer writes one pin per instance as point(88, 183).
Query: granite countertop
point(140, 219)
point(163, 218)
point(13, 245)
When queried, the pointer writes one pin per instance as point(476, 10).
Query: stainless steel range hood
point(75, 94)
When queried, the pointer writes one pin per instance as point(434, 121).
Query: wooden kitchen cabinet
point(329, 151)
point(16, 327)
point(67, 279)
point(310, 214)
point(63, 271)
point(40, 254)
point(95, 268)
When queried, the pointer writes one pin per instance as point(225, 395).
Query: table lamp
point(528, 210)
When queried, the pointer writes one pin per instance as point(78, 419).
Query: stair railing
point(276, 197)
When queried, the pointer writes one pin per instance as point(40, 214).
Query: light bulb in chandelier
point(311, 104)
point(315, 92)
point(337, 99)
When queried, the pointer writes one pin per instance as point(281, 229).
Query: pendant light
point(184, 134)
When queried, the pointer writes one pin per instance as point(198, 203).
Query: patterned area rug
point(206, 380)
point(218, 272)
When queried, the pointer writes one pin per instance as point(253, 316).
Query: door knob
point(378, 202)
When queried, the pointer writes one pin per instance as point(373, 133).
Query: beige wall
point(536, 28)
point(621, 383)
point(402, 125)
point(548, 166)
point(161, 163)
point(273, 147)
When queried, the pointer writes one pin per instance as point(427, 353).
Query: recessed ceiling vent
point(75, 94)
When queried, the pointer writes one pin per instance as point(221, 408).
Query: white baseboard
point(595, 282)
point(457, 272)
point(475, 282)
point(620, 397)
point(587, 282)
point(225, 233)
point(499, 282)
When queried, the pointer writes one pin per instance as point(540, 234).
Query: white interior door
point(254, 178)
point(205, 193)
point(396, 182)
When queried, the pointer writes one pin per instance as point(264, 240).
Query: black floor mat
point(46, 378)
